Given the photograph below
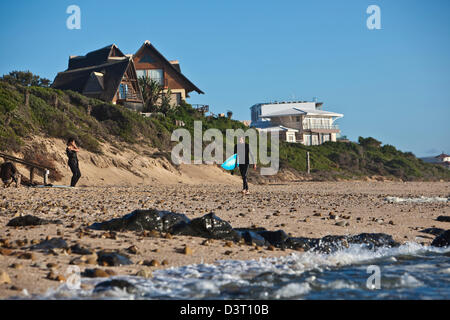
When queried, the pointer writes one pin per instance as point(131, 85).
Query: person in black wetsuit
point(244, 161)
point(71, 151)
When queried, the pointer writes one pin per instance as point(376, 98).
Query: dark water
point(410, 271)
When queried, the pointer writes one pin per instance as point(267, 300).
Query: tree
point(155, 99)
point(150, 93)
point(369, 142)
point(26, 78)
point(166, 101)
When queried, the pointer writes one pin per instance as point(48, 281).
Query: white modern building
point(442, 159)
point(299, 121)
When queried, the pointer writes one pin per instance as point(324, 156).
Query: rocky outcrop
point(251, 236)
point(30, 220)
point(209, 226)
point(275, 238)
point(115, 283)
point(139, 220)
point(54, 243)
point(212, 227)
point(434, 231)
point(442, 240)
point(112, 258)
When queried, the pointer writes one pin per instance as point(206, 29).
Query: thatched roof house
point(106, 74)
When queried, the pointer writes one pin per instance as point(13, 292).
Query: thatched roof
point(98, 74)
point(94, 58)
point(77, 80)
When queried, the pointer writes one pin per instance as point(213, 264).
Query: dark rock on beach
point(208, 226)
point(112, 259)
point(305, 244)
point(139, 220)
point(98, 273)
point(276, 238)
point(442, 240)
point(115, 283)
point(211, 226)
point(251, 236)
point(373, 240)
point(330, 244)
point(326, 244)
point(77, 249)
point(30, 220)
point(443, 218)
point(433, 231)
point(54, 243)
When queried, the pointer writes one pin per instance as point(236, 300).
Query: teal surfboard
point(230, 163)
point(51, 186)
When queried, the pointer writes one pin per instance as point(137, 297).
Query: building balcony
point(129, 96)
point(321, 128)
point(308, 126)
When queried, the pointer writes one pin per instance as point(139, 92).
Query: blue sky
point(392, 84)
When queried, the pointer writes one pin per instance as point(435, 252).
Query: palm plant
point(151, 91)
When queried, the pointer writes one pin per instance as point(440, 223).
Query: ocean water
point(411, 271)
point(421, 199)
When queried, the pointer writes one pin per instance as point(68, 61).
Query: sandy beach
point(307, 209)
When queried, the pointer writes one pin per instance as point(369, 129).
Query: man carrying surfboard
point(242, 149)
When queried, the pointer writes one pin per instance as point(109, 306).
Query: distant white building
point(442, 159)
point(302, 121)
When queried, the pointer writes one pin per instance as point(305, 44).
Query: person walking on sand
point(242, 149)
point(71, 151)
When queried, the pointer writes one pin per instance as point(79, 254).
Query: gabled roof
point(173, 67)
point(95, 57)
point(77, 79)
point(442, 156)
point(298, 112)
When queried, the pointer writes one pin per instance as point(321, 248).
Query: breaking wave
point(410, 271)
point(416, 200)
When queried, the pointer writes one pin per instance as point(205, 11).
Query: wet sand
point(302, 209)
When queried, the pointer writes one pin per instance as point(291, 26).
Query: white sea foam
point(292, 290)
point(421, 199)
point(408, 281)
point(209, 280)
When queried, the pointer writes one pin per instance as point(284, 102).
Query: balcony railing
point(309, 126)
point(128, 96)
point(201, 107)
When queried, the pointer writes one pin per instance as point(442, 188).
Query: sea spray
point(408, 271)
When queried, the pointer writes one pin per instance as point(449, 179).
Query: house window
point(307, 139)
point(140, 73)
point(156, 75)
point(315, 140)
point(123, 90)
point(176, 98)
point(290, 137)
